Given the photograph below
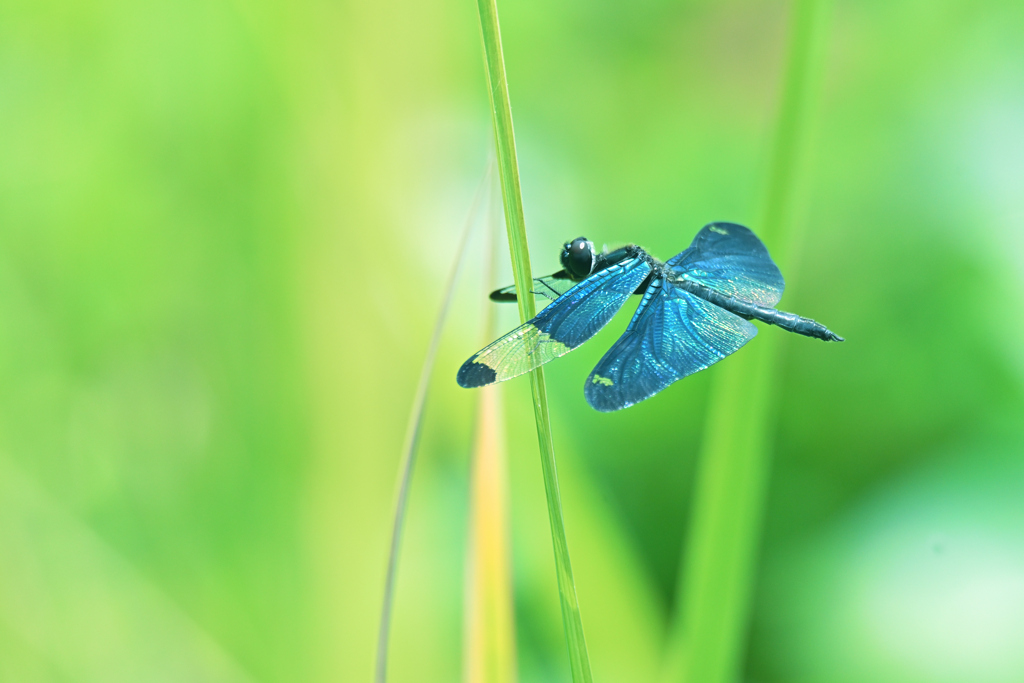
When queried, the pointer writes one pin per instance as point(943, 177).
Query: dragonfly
point(695, 310)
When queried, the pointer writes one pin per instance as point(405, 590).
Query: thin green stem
point(721, 554)
point(508, 172)
point(412, 433)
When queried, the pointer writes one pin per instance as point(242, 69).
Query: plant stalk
point(508, 172)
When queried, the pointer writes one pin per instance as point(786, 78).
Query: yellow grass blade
point(490, 650)
point(489, 644)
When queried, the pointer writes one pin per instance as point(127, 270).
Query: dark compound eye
point(578, 257)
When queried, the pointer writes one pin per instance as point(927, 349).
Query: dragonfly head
point(579, 258)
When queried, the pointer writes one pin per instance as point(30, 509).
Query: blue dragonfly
point(695, 311)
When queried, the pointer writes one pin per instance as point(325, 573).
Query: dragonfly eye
point(579, 258)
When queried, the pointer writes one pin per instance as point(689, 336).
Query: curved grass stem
point(412, 432)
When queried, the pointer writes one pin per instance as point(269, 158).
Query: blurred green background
point(224, 231)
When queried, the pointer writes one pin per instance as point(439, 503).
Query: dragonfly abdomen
point(750, 311)
point(795, 323)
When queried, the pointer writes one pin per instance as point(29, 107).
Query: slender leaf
point(720, 558)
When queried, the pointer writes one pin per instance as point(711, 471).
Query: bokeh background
point(224, 231)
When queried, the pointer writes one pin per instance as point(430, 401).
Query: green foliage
point(222, 228)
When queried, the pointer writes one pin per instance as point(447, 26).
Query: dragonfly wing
point(731, 259)
point(572, 319)
point(672, 334)
point(548, 286)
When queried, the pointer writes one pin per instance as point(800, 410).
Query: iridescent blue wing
point(570, 320)
point(672, 334)
point(731, 259)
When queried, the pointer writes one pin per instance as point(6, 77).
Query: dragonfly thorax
point(579, 258)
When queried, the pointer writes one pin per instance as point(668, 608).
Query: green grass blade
point(720, 558)
point(412, 433)
point(508, 172)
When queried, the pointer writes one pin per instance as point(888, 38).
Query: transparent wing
point(572, 319)
point(731, 259)
point(548, 286)
point(672, 334)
